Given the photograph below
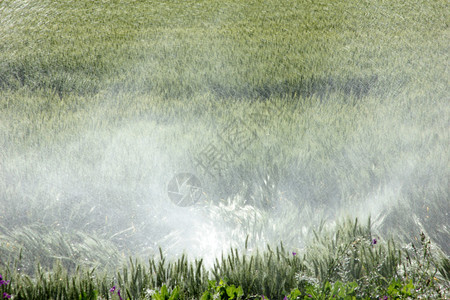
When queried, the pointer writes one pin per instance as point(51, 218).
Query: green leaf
point(207, 296)
point(295, 293)
point(175, 294)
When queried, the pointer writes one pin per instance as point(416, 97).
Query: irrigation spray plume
point(137, 186)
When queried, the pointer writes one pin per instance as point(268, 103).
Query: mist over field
point(290, 116)
point(114, 181)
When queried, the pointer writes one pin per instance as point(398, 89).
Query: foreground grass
point(348, 264)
